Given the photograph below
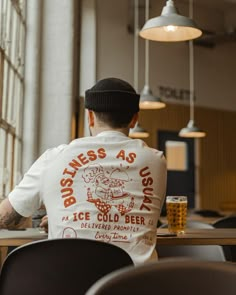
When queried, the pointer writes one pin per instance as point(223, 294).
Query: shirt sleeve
point(25, 198)
point(162, 177)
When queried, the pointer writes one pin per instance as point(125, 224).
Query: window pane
point(9, 162)
point(17, 175)
point(12, 52)
point(176, 155)
point(5, 89)
point(2, 163)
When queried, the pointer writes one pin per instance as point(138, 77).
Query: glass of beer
point(176, 207)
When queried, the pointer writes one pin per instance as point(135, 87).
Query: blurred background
point(52, 51)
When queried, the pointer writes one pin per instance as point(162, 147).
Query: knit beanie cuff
point(111, 95)
point(111, 101)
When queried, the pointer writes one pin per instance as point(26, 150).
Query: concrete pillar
point(32, 84)
point(56, 73)
point(88, 50)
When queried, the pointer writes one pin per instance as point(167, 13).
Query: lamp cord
point(191, 68)
point(147, 46)
point(136, 18)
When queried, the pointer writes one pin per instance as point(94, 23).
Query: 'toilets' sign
point(175, 95)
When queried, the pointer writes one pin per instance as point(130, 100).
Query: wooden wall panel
point(217, 170)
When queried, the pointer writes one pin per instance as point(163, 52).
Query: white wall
point(215, 69)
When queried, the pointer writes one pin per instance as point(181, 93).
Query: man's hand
point(44, 223)
point(9, 218)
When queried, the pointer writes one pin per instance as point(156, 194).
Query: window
point(12, 50)
point(176, 155)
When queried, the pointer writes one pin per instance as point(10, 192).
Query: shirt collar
point(111, 133)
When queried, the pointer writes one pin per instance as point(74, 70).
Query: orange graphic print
point(106, 189)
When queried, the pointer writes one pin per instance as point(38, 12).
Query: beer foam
point(176, 199)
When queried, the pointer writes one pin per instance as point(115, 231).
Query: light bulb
point(170, 28)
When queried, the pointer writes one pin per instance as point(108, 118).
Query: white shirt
point(108, 187)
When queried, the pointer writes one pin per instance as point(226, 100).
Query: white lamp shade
point(170, 26)
point(191, 131)
point(138, 132)
point(148, 101)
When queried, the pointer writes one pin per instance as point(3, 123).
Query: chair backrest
point(210, 253)
point(59, 266)
point(227, 222)
point(170, 277)
point(208, 213)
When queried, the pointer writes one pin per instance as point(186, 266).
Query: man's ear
point(133, 121)
point(90, 118)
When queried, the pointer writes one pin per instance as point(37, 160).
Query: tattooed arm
point(9, 218)
point(44, 223)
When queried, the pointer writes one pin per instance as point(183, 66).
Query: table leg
point(3, 254)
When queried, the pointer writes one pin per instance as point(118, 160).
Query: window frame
point(12, 55)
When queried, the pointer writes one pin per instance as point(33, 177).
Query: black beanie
point(112, 94)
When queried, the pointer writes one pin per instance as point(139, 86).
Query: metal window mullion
point(12, 105)
point(7, 127)
point(10, 96)
point(7, 27)
point(19, 115)
point(12, 162)
point(5, 89)
point(2, 158)
point(8, 162)
point(14, 29)
point(12, 65)
point(5, 164)
point(16, 44)
point(1, 83)
point(17, 160)
point(22, 49)
point(17, 94)
point(3, 22)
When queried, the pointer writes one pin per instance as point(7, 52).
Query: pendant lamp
point(191, 131)
point(147, 100)
point(170, 26)
point(137, 131)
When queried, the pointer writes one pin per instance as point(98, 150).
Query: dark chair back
point(228, 222)
point(178, 277)
point(208, 213)
point(59, 266)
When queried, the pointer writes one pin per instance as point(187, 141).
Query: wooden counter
point(194, 236)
